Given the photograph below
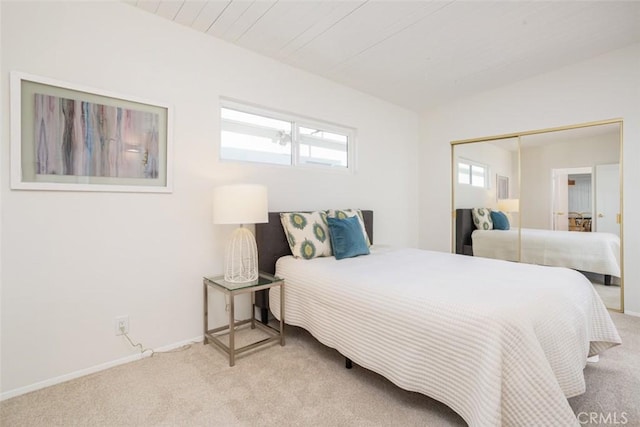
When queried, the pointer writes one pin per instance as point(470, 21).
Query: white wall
point(604, 87)
point(72, 262)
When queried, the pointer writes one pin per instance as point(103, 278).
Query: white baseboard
point(82, 372)
point(632, 313)
point(179, 344)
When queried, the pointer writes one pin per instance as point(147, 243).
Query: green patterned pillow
point(347, 213)
point(482, 218)
point(307, 234)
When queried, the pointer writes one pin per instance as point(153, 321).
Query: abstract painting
point(70, 138)
point(75, 137)
point(502, 187)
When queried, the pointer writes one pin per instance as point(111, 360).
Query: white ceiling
point(416, 54)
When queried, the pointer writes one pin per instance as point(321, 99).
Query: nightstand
point(264, 281)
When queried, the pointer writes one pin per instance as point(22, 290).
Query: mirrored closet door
point(559, 190)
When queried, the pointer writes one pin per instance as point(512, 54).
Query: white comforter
point(501, 343)
point(594, 252)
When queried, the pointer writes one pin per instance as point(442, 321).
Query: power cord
point(139, 345)
point(143, 350)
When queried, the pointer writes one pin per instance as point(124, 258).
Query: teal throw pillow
point(500, 220)
point(347, 239)
point(346, 213)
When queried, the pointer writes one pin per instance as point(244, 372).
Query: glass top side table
point(264, 281)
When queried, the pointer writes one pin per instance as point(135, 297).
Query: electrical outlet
point(122, 325)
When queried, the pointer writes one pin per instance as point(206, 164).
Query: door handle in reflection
point(559, 213)
point(600, 215)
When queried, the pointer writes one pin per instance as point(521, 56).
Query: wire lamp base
point(241, 258)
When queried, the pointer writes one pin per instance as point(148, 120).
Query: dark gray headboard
point(464, 228)
point(272, 242)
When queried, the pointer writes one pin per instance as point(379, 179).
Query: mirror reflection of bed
point(596, 254)
point(563, 200)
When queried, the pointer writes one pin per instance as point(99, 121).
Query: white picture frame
point(502, 187)
point(68, 137)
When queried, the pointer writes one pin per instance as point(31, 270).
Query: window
point(472, 173)
point(254, 138)
point(258, 135)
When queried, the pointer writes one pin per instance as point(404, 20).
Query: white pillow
point(482, 218)
point(307, 234)
point(347, 213)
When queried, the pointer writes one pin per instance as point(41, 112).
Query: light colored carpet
point(301, 384)
point(610, 295)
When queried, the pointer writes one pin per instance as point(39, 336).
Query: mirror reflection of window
point(473, 174)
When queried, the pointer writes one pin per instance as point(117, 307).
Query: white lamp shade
point(240, 204)
point(509, 205)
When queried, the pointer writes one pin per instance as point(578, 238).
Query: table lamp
point(510, 207)
point(240, 204)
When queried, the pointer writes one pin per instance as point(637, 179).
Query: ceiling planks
point(416, 54)
point(209, 14)
point(189, 11)
point(169, 9)
point(239, 18)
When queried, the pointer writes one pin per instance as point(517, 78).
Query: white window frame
point(471, 164)
point(296, 122)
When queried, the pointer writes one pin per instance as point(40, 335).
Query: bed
point(590, 252)
point(500, 343)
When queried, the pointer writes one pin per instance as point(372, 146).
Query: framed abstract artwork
point(73, 138)
point(502, 187)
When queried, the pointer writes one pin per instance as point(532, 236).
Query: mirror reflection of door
point(580, 189)
point(560, 206)
point(607, 203)
point(565, 186)
point(572, 199)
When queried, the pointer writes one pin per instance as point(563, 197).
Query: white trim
point(93, 369)
point(632, 313)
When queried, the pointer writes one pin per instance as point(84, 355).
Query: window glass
point(464, 173)
point(477, 176)
point(322, 148)
point(254, 138)
point(472, 173)
point(258, 135)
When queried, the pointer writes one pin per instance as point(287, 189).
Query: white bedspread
point(594, 252)
point(501, 343)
